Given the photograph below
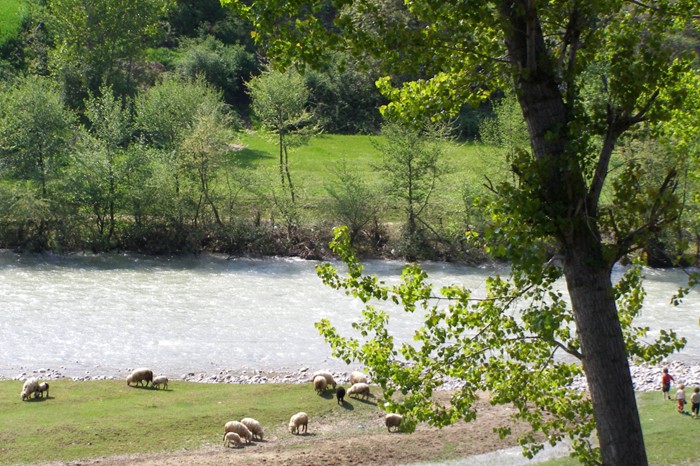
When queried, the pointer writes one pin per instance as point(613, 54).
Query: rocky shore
point(645, 377)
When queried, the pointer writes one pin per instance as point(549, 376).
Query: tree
point(585, 74)
point(355, 203)
point(223, 66)
point(172, 115)
point(279, 102)
point(100, 42)
point(411, 166)
point(111, 129)
point(35, 131)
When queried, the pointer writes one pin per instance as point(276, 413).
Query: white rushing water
point(103, 314)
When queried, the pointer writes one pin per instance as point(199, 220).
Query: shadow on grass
point(368, 401)
point(248, 158)
point(347, 406)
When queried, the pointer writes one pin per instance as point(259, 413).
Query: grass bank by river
point(107, 421)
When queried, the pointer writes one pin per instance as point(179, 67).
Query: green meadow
point(10, 18)
point(467, 167)
point(105, 418)
point(671, 438)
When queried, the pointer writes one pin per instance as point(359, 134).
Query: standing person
point(680, 396)
point(695, 400)
point(666, 379)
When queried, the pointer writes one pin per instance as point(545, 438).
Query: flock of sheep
point(237, 433)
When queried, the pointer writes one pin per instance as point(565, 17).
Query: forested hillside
point(161, 126)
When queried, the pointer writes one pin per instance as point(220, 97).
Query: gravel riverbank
point(646, 377)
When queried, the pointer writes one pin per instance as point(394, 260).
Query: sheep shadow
point(347, 406)
point(367, 401)
point(39, 399)
point(327, 395)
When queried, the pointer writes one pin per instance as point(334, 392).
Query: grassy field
point(312, 167)
point(106, 418)
point(10, 18)
point(671, 438)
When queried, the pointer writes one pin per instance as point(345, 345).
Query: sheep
point(254, 427)
point(232, 437)
point(43, 387)
point(359, 389)
point(340, 394)
point(320, 383)
point(329, 377)
point(357, 377)
point(140, 375)
point(240, 429)
point(160, 380)
point(298, 421)
point(393, 420)
point(30, 387)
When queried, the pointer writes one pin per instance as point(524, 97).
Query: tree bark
point(604, 356)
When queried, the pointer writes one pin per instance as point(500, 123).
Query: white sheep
point(43, 387)
point(298, 421)
point(320, 383)
point(329, 377)
point(160, 380)
point(357, 377)
point(254, 427)
point(393, 420)
point(31, 385)
point(359, 389)
point(240, 429)
point(137, 376)
point(232, 437)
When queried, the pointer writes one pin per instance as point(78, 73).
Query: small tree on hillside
point(411, 164)
point(280, 103)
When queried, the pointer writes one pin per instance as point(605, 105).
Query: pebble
point(645, 377)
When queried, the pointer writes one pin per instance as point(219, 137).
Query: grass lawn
point(671, 438)
point(10, 18)
point(105, 418)
point(312, 166)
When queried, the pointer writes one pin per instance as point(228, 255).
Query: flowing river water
point(100, 315)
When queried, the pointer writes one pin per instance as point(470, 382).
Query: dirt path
point(343, 442)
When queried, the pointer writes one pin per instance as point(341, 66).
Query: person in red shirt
point(666, 379)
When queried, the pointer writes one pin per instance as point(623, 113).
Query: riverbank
point(646, 378)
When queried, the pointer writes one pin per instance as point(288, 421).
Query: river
point(100, 315)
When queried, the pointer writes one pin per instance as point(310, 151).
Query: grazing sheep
point(31, 385)
point(340, 394)
point(240, 429)
point(298, 421)
point(232, 437)
point(393, 420)
point(140, 375)
point(320, 383)
point(359, 389)
point(43, 387)
point(329, 377)
point(357, 377)
point(254, 427)
point(160, 380)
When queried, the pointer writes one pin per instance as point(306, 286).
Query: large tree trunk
point(562, 194)
point(604, 356)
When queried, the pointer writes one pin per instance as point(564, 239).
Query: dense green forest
point(160, 126)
